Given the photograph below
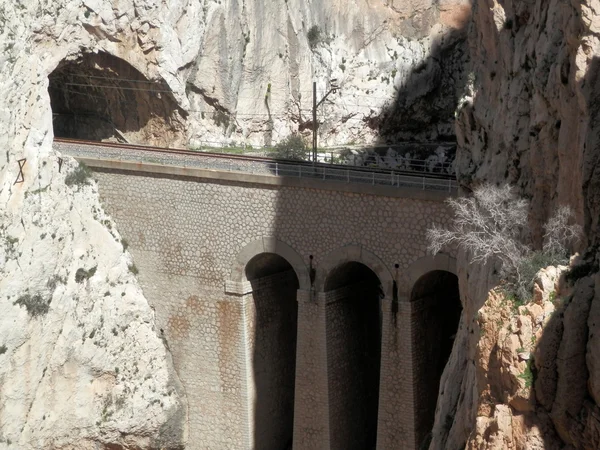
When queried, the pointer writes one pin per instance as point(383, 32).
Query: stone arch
point(354, 253)
point(426, 264)
point(269, 245)
point(350, 281)
point(435, 298)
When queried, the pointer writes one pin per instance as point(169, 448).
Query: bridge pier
point(396, 417)
point(270, 330)
point(321, 367)
point(311, 409)
point(353, 357)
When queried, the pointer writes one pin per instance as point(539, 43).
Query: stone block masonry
point(271, 342)
point(186, 235)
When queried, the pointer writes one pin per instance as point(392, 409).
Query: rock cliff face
point(529, 118)
point(74, 321)
point(81, 363)
point(201, 71)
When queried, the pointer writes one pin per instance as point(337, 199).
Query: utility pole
point(314, 143)
point(333, 89)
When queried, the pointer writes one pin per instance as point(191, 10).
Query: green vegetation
point(10, 244)
point(53, 282)
point(514, 300)
point(80, 176)
point(293, 147)
point(35, 304)
point(133, 269)
point(527, 375)
point(314, 36)
point(81, 275)
point(36, 191)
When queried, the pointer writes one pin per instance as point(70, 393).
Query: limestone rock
point(593, 346)
point(213, 73)
point(535, 373)
point(571, 368)
point(81, 363)
point(515, 377)
point(529, 117)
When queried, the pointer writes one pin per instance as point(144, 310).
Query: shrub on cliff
point(36, 305)
point(292, 147)
point(314, 36)
point(489, 225)
point(80, 176)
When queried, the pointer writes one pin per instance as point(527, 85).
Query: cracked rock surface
point(81, 363)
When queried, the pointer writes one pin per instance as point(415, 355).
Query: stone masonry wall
point(185, 235)
point(311, 424)
point(352, 415)
point(437, 315)
point(395, 419)
point(425, 342)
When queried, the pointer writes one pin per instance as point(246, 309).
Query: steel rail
point(258, 159)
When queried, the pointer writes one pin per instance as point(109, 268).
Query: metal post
point(423, 178)
point(348, 175)
point(300, 172)
point(276, 169)
point(314, 143)
point(373, 178)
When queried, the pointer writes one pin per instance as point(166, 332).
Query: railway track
point(255, 159)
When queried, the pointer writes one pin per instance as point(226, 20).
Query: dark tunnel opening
point(274, 286)
point(353, 314)
point(436, 297)
point(100, 97)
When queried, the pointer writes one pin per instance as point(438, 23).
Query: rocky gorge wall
point(525, 378)
point(528, 116)
point(231, 72)
point(77, 336)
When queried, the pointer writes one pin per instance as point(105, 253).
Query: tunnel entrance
point(273, 321)
point(101, 97)
point(354, 294)
point(436, 300)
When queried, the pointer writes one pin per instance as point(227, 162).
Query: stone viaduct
point(300, 313)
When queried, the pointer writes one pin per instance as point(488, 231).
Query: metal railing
point(331, 155)
point(325, 172)
point(375, 178)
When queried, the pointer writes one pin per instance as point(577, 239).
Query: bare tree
point(489, 226)
point(559, 235)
